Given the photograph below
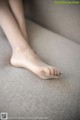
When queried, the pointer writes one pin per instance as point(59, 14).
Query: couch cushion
point(63, 19)
point(24, 95)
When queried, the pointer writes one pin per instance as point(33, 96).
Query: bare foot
point(28, 59)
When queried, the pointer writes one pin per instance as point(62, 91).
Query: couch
point(54, 33)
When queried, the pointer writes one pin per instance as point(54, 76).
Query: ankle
point(21, 48)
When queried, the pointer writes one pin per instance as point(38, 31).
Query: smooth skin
point(12, 21)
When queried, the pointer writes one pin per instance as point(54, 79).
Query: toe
point(56, 72)
point(46, 71)
point(51, 71)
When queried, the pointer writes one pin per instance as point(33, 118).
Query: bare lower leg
point(23, 55)
point(18, 11)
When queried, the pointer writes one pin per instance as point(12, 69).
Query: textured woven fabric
point(62, 19)
point(24, 95)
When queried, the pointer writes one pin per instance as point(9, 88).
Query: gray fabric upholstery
point(23, 94)
point(62, 19)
